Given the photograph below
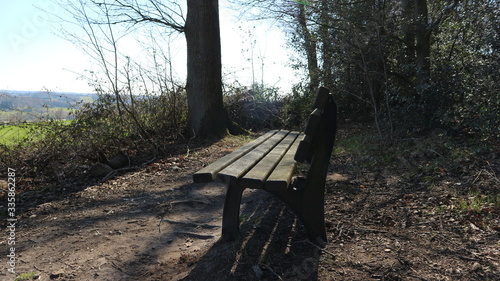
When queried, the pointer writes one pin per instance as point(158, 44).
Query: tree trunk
point(327, 44)
point(310, 48)
point(409, 29)
point(423, 43)
point(206, 114)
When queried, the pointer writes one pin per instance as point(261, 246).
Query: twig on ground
point(468, 259)
point(418, 277)
point(272, 271)
point(159, 224)
point(191, 224)
point(493, 174)
point(191, 201)
point(422, 223)
point(371, 230)
point(122, 270)
point(109, 175)
point(321, 249)
point(193, 235)
point(148, 162)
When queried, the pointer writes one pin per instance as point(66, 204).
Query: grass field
point(14, 134)
point(25, 132)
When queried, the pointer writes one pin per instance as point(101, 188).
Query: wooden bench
point(269, 163)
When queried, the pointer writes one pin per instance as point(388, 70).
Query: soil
point(383, 223)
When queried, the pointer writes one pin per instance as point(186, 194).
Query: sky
point(34, 57)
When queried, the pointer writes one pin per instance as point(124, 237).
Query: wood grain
point(239, 167)
point(282, 175)
point(209, 173)
point(256, 177)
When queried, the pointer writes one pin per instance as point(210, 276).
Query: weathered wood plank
point(209, 173)
point(282, 175)
point(239, 167)
point(256, 177)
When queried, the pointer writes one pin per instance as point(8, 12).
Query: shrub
point(256, 108)
point(57, 150)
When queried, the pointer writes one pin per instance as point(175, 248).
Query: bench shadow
point(272, 246)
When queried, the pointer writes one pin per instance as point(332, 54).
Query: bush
point(57, 150)
point(298, 107)
point(255, 109)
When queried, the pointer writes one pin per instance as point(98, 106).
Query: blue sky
point(33, 57)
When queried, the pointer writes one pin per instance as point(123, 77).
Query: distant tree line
point(16, 107)
point(37, 102)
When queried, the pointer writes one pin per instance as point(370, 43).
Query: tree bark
point(310, 49)
point(327, 44)
point(206, 113)
point(423, 42)
point(409, 30)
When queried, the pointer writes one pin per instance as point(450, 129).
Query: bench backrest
point(320, 130)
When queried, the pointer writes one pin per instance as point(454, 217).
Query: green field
point(25, 132)
point(14, 134)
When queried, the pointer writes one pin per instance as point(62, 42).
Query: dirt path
point(154, 224)
point(125, 229)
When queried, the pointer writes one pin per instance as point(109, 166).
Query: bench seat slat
point(256, 177)
point(239, 167)
point(209, 173)
point(282, 175)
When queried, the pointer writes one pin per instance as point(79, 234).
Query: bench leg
point(312, 213)
point(231, 213)
point(308, 205)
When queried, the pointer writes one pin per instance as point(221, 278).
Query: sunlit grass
point(26, 276)
point(24, 133)
point(13, 134)
point(356, 144)
point(477, 203)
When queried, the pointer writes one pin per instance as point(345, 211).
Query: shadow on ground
point(271, 246)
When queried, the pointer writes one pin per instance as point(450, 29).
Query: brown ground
point(383, 223)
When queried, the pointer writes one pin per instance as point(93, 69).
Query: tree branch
point(443, 14)
point(139, 15)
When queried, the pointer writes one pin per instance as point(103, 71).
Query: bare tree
point(101, 43)
point(206, 114)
